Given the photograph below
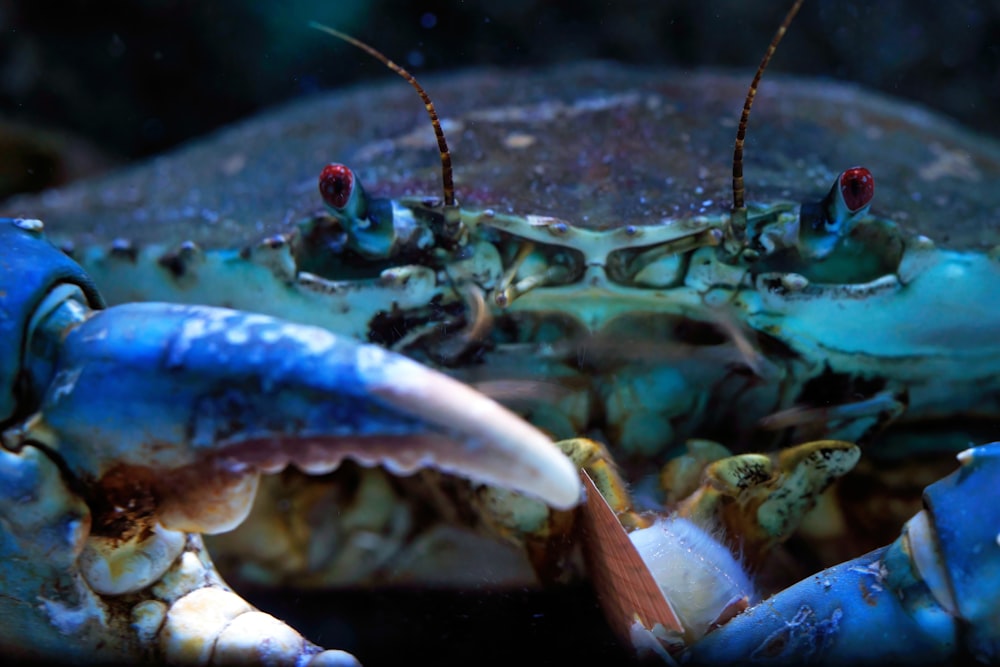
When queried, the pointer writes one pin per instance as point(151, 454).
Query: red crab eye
point(335, 185)
point(857, 186)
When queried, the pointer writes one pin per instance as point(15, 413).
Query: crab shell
point(598, 145)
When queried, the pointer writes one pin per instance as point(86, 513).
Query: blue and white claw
point(928, 598)
point(128, 431)
point(208, 395)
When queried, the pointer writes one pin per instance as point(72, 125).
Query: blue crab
point(554, 286)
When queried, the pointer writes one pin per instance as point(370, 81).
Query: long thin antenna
point(446, 177)
point(739, 215)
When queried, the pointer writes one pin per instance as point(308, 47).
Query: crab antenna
point(446, 178)
point(739, 215)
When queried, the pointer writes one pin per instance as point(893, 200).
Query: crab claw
point(184, 406)
point(927, 598)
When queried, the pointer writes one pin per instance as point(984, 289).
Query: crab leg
point(927, 598)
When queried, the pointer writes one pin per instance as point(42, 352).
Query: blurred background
point(89, 84)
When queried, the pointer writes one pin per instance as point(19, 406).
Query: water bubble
point(428, 20)
point(415, 58)
point(116, 47)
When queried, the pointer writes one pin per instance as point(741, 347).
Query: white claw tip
point(499, 447)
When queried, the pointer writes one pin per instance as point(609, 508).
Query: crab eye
point(336, 183)
point(857, 187)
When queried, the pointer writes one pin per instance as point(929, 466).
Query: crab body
point(615, 177)
point(589, 276)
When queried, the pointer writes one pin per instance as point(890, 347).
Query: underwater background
point(123, 79)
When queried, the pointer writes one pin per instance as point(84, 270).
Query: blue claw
point(165, 386)
point(926, 598)
point(844, 615)
point(191, 402)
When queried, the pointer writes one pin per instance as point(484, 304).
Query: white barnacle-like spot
point(698, 575)
point(29, 224)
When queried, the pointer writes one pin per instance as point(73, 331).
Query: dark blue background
point(138, 76)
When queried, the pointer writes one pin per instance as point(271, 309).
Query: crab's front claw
point(128, 431)
point(928, 598)
point(192, 403)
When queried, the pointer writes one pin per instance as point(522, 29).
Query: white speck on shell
point(64, 383)
point(316, 341)
point(237, 336)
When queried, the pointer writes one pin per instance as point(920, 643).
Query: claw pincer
point(124, 428)
point(927, 598)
